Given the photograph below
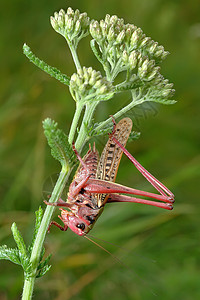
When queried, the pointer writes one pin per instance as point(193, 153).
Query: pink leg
point(123, 198)
point(101, 186)
point(161, 188)
point(63, 228)
point(83, 182)
point(59, 203)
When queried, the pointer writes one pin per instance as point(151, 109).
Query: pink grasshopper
point(94, 184)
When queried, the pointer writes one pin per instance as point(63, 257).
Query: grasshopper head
point(75, 223)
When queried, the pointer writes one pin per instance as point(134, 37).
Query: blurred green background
point(161, 253)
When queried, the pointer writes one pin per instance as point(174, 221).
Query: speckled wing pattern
point(111, 156)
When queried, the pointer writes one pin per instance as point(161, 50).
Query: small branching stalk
point(119, 48)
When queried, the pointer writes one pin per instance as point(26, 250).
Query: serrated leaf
point(104, 97)
point(45, 262)
point(134, 135)
point(38, 219)
point(43, 271)
point(162, 101)
point(42, 253)
point(11, 254)
point(52, 71)
point(128, 86)
point(26, 264)
point(96, 52)
point(19, 240)
point(58, 141)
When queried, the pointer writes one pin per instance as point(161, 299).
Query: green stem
point(38, 244)
point(74, 125)
point(28, 288)
point(82, 136)
point(116, 70)
point(119, 114)
point(74, 55)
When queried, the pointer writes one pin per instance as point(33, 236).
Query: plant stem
point(82, 136)
point(28, 288)
point(119, 113)
point(77, 114)
point(74, 55)
point(38, 244)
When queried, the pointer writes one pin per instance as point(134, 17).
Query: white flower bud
point(70, 11)
point(111, 35)
point(107, 19)
point(77, 28)
point(102, 90)
point(125, 56)
point(120, 37)
point(70, 25)
point(60, 21)
point(113, 19)
point(97, 84)
point(144, 41)
point(137, 34)
point(133, 59)
point(54, 24)
point(153, 73)
point(153, 47)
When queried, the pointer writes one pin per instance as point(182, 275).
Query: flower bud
point(70, 11)
point(77, 27)
point(144, 41)
point(54, 24)
point(125, 57)
point(120, 37)
point(102, 90)
point(111, 35)
point(70, 25)
point(153, 47)
point(113, 19)
point(153, 73)
point(135, 38)
point(133, 59)
point(107, 19)
point(88, 82)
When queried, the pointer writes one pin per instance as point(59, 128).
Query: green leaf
point(45, 262)
point(162, 101)
point(38, 220)
point(58, 141)
point(43, 266)
point(96, 51)
point(134, 135)
point(43, 271)
point(126, 86)
point(27, 266)
point(52, 71)
point(104, 97)
point(11, 254)
point(19, 241)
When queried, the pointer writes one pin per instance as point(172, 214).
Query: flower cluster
point(162, 89)
point(88, 83)
point(141, 65)
point(73, 25)
point(113, 32)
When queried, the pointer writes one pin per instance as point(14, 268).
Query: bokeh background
point(160, 251)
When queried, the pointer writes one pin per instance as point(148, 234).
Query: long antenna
point(113, 244)
point(113, 256)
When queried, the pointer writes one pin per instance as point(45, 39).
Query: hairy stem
point(119, 114)
point(38, 244)
point(82, 136)
point(74, 55)
point(74, 125)
point(28, 288)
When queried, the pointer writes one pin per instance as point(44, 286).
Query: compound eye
point(81, 226)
